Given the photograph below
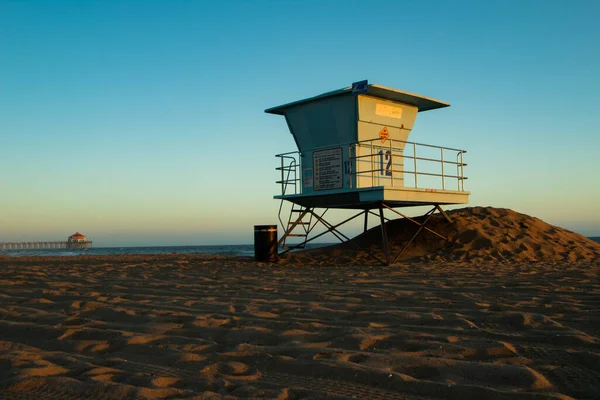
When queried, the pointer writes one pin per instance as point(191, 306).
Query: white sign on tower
point(328, 170)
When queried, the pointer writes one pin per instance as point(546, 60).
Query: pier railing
point(4, 246)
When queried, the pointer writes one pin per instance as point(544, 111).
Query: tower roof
point(421, 102)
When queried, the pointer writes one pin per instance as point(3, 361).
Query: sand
point(477, 234)
point(442, 326)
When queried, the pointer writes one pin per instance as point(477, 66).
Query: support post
point(437, 206)
point(386, 248)
point(428, 215)
point(384, 238)
point(415, 222)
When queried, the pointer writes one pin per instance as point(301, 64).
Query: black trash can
point(265, 243)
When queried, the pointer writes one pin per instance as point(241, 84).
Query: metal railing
point(290, 172)
point(395, 163)
point(387, 164)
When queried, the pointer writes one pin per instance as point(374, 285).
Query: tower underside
point(306, 215)
point(370, 198)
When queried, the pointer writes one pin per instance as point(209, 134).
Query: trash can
point(265, 243)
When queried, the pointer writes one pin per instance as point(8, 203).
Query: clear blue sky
point(142, 123)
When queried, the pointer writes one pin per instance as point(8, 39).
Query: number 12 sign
point(387, 171)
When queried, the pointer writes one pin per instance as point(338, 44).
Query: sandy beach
point(211, 327)
point(198, 326)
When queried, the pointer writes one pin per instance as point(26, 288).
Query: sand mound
point(496, 233)
point(476, 234)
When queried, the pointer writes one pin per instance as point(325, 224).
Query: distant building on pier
point(77, 241)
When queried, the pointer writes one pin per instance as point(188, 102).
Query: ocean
point(234, 250)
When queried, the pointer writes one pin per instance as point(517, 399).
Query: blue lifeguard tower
point(353, 153)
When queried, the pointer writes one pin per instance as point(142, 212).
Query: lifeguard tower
point(353, 153)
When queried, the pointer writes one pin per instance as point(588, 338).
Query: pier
point(75, 241)
point(4, 246)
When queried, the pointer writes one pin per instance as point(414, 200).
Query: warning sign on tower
point(328, 172)
point(384, 134)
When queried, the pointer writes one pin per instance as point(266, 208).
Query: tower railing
point(403, 164)
point(289, 172)
point(393, 163)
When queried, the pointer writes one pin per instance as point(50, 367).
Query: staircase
point(298, 226)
